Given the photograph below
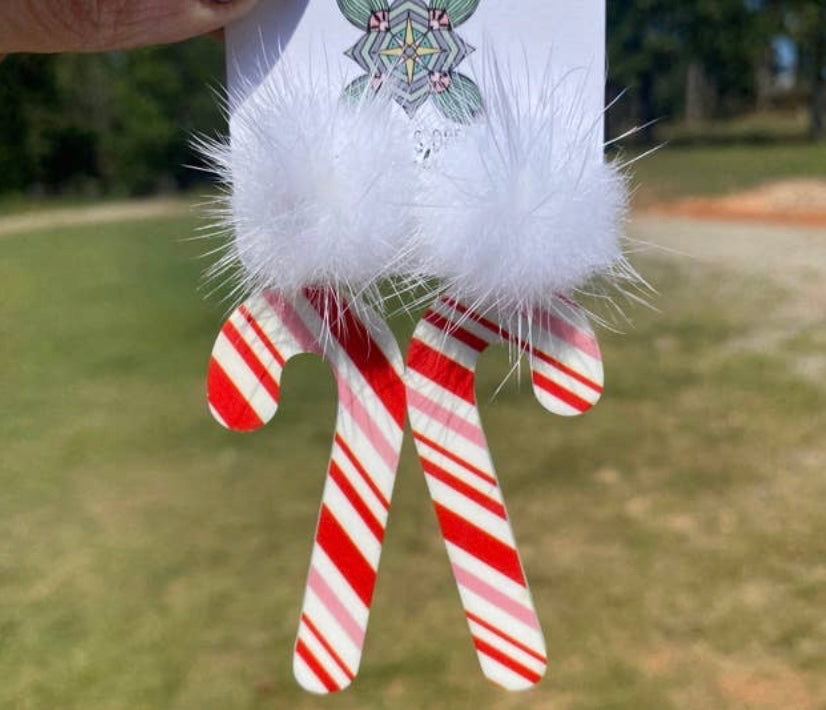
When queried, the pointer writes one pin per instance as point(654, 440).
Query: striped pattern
point(566, 364)
point(567, 379)
point(243, 392)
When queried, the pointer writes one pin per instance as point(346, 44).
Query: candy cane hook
point(567, 376)
point(243, 390)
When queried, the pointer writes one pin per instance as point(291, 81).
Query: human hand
point(101, 25)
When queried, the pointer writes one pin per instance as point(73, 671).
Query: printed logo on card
point(412, 48)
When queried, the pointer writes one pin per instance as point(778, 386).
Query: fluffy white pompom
point(523, 206)
point(317, 186)
point(326, 191)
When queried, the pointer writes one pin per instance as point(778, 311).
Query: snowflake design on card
point(412, 48)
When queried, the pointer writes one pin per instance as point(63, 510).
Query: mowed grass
point(675, 537)
point(675, 171)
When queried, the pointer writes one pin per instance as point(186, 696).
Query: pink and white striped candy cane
point(243, 390)
point(567, 377)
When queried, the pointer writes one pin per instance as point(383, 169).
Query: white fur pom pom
point(325, 190)
point(316, 184)
point(523, 206)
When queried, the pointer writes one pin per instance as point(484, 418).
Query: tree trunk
point(694, 94)
point(763, 81)
point(647, 107)
point(818, 83)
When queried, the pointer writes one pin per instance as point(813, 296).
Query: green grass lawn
point(679, 171)
point(675, 537)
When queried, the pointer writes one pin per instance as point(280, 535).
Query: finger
point(99, 25)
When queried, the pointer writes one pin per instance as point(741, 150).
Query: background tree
point(27, 97)
point(116, 123)
point(121, 122)
point(806, 22)
point(689, 60)
point(643, 62)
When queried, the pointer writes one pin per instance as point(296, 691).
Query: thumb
point(100, 25)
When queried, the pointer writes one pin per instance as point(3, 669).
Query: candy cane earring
point(518, 214)
point(369, 142)
point(244, 383)
point(317, 174)
point(566, 371)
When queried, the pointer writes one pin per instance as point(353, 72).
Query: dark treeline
point(120, 123)
point(117, 123)
point(711, 59)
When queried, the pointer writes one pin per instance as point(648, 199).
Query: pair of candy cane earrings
point(376, 388)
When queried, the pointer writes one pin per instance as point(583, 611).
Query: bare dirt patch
point(775, 688)
point(794, 257)
point(798, 202)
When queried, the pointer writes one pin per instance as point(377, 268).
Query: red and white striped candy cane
point(243, 390)
point(567, 377)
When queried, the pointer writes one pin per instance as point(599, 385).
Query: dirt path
point(793, 256)
point(777, 231)
point(800, 202)
point(783, 253)
point(19, 224)
point(790, 258)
